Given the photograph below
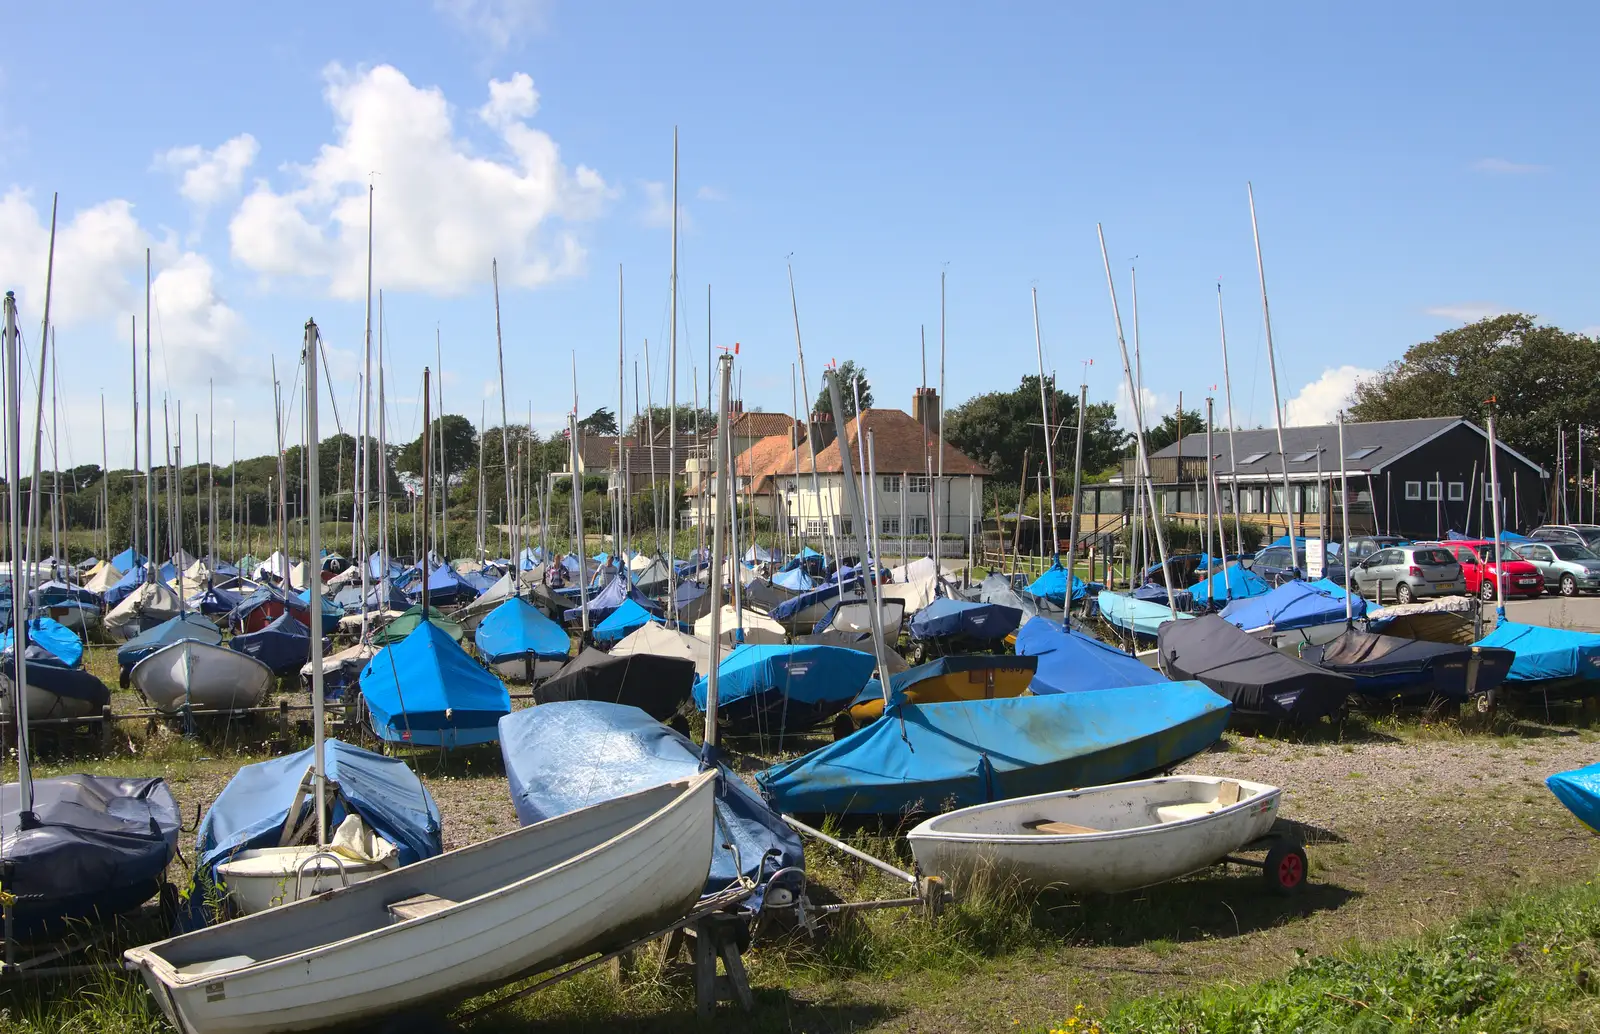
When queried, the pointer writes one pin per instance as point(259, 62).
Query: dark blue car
point(1275, 565)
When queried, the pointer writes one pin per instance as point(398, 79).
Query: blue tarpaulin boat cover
point(773, 687)
point(807, 557)
point(933, 757)
point(215, 600)
point(284, 645)
point(620, 622)
point(1052, 585)
point(1139, 617)
point(300, 602)
point(762, 555)
point(426, 690)
point(252, 809)
point(903, 682)
point(445, 587)
point(1505, 536)
point(127, 560)
point(567, 755)
point(54, 594)
point(1156, 592)
point(130, 580)
point(1291, 605)
point(608, 599)
point(62, 642)
point(1071, 662)
point(795, 580)
point(1579, 790)
point(1235, 582)
point(790, 607)
point(1547, 653)
point(945, 617)
point(172, 630)
point(517, 628)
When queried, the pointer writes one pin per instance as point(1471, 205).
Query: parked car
point(1572, 534)
point(1276, 565)
point(1568, 569)
point(1477, 560)
point(1408, 573)
point(1367, 545)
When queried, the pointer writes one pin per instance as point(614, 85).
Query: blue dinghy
point(625, 619)
point(519, 642)
point(284, 645)
point(773, 688)
point(61, 642)
point(1135, 617)
point(1071, 662)
point(567, 755)
point(934, 757)
point(1235, 582)
point(1547, 657)
point(425, 690)
point(1292, 605)
point(1579, 790)
point(1052, 585)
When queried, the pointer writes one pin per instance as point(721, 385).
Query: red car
point(1477, 560)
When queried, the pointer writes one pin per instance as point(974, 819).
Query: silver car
point(1406, 573)
point(1567, 569)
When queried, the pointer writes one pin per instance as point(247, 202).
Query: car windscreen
point(1487, 552)
point(1432, 556)
point(1565, 551)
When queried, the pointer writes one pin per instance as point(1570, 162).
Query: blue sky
point(1414, 166)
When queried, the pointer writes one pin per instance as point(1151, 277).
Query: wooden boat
point(1101, 838)
point(201, 677)
point(447, 927)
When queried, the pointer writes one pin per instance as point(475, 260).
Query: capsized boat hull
point(198, 676)
point(501, 909)
point(1104, 838)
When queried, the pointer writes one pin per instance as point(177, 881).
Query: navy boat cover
point(1292, 605)
point(1261, 682)
point(945, 618)
point(284, 645)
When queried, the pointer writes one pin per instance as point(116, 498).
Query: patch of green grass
point(1529, 964)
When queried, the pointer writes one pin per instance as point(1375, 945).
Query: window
point(1489, 494)
point(1308, 456)
point(919, 525)
point(1413, 490)
point(890, 483)
point(813, 526)
point(845, 527)
point(1433, 491)
point(1457, 491)
point(916, 483)
point(1255, 457)
point(891, 526)
point(788, 486)
point(1363, 452)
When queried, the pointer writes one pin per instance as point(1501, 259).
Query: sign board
point(1314, 558)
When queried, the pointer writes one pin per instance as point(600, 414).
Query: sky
point(1414, 166)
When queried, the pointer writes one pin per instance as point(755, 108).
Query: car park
point(1478, 567)
point(1408, 572)
point(1567, 568)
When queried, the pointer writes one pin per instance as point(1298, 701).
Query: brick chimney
point(925, 409)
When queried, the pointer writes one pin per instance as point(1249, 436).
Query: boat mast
point(720, 472)
point(1499, 560)
point(133, 500)
point(19, 652)
point(366, 428)
point(427, 470)
point(211, 480)
point(1233, 462)
point(233, 498)
point(314, 584)
point(1044, 418)
point(672, 408)
point(505, 435)
point(1138, 420)
point(1272, 366)
point(283, 499)
point(1210, 516)
point(444, 477)
point(622, 405)
point(577, 523)
point(1344, 524)
point(483, 418)
point(105, 478)
point(55, 458)
point(149, 436)
point(1077, 488)
point(19, 599)
point(805, 389)
point(938, 511)
point(383, 462)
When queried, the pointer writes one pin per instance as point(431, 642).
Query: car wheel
point(1569, 585)
point(1486, 591)
point(1402, 593)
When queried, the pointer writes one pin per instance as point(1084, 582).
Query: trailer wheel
point(1285, 868)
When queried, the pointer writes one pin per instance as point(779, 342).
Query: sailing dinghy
point(198, 676)
point(447, 927)
point(1101, 838)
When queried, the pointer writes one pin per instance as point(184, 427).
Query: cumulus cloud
point(658, 207)
point(209, 177)
point(1320, 401)
point(499, 24)
point(709, 193)
point(1504, 167)
point(99, 279)
point(1149, 401)
point(442, 211)
point(1467, 312)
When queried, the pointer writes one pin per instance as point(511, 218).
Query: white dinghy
point(446, 927)
point(1101, 838)
point(201, 677)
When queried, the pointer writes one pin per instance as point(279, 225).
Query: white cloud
point(99, 278)
point(1149, 401)
point(442, 212)
point(1320, 401)
point(209, 177)
point(499, 24)
point(1505, 167)
point(709, 193)
point(1467, 312)
point(658, 207)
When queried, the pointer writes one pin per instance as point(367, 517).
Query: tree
point(691, 420)
point(602, 422)
point(1167, 432)
point(995, 428)
point(848, 374)
point(1540, 378)
point(460, 447)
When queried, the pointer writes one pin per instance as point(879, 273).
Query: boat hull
point(268, 877)
point(201, 677)
point(44, 705)
point(527, 667)
point(524, 902)
point(1135, 834)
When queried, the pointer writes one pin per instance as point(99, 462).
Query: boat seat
point(1227, 795)
point(419, 906)
point(1058, 828)
point(227, 965)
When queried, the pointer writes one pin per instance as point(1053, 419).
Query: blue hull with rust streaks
point(922, 758)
